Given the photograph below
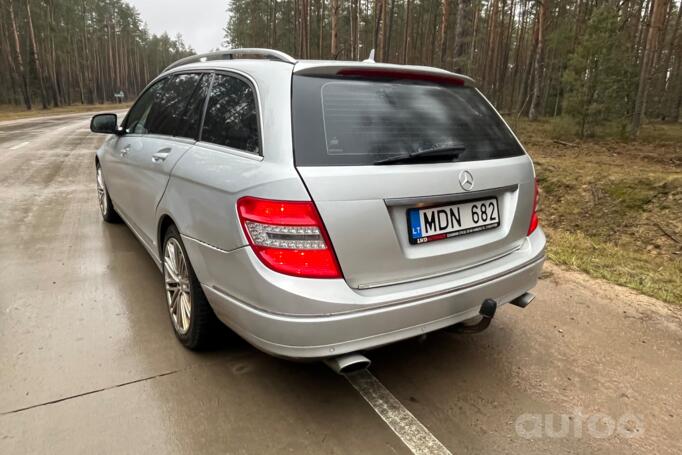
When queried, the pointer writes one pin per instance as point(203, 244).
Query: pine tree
point(596, 82)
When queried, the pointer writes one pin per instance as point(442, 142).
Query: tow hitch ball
point(487, 312)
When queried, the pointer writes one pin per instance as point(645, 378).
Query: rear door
point(157, 141)
point(393, 221)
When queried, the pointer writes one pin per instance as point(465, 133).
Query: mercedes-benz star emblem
point(466, 180)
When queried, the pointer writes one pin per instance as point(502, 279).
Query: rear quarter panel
point(206, 184)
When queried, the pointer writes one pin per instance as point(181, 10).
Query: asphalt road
point(89, 363)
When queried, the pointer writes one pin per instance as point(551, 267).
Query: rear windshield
point(350, 122)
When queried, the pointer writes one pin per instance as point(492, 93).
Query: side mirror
point(104, 123)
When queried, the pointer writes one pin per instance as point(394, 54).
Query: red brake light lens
point(534, 220)
point(382, 73)
point(288, 237)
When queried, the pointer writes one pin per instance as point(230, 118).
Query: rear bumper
point(283, 321)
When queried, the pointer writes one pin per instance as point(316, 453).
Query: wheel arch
point(165, 221)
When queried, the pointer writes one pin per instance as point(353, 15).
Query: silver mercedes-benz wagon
point(321, 208)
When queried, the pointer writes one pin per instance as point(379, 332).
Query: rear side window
point(170, 103)
point(231, 117)
point(190, 120)
point(354, 122)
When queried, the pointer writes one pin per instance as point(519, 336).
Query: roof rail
point(229, 54)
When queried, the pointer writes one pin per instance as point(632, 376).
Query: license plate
point(437, 223)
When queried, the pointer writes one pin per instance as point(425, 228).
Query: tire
point(183, 291)
point(106, 208)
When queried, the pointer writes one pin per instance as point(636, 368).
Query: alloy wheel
point(101, 192)
point(178, 295)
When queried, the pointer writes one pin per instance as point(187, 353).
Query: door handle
point(124, 151)
point(161, 155)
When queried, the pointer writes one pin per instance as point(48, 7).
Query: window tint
point(341, 122)
point(169, 104)
point(188, 126)
point(136, 122)
point(231, 118)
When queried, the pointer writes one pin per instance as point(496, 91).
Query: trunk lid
point(343, 125)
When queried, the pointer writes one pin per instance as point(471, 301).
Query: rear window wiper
point(448, 151)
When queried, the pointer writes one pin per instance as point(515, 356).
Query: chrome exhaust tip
point(524, 300)
point(348, 363)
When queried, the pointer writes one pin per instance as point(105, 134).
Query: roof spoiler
point(372, 70)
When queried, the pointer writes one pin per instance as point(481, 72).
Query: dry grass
point(613, 208)
point(10, 112)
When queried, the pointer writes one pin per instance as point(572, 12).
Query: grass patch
point(654, 276)
point(10, 112)
point(631, 194)
point(613, 208)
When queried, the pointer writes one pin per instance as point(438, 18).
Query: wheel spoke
point(188, 306)
point(183, 320)
point(170, 270)
point(181, 267)
point(174, 302)
point(171, 262)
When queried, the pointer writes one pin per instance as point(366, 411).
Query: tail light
point(288, 237)
point(534, 221)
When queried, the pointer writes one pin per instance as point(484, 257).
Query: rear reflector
point(288, 237)
point(534, 221)
point(381, 73)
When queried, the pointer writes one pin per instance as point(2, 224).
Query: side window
point(188, 126)
point(136, 122)
point(170, 104)
point(231, 117)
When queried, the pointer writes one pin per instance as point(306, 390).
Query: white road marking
point(18, 146)
point(405, 425)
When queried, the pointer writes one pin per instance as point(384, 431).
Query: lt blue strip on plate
point(415, 224)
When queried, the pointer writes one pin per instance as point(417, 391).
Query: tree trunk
point(669, 89)
point(321, 27)
point(351, 29)
point(445, 10)
point(406, 31)
point(677, 98)
point(539, 65)
point(433, 35)
point(389, 25)
point(648, 62)
point(20, 62)
point(335, 28)
point(34, 55)
point(505, 54)
point(520, 37)
point(273, 25)
point(51, 54)
point(13, 75)
point(472, 47)
point(357, 30)
point(458, 49)
point(379, 30)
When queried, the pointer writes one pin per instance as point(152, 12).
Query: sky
point(200, 22)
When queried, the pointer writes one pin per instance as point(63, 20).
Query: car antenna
point(370, 59)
